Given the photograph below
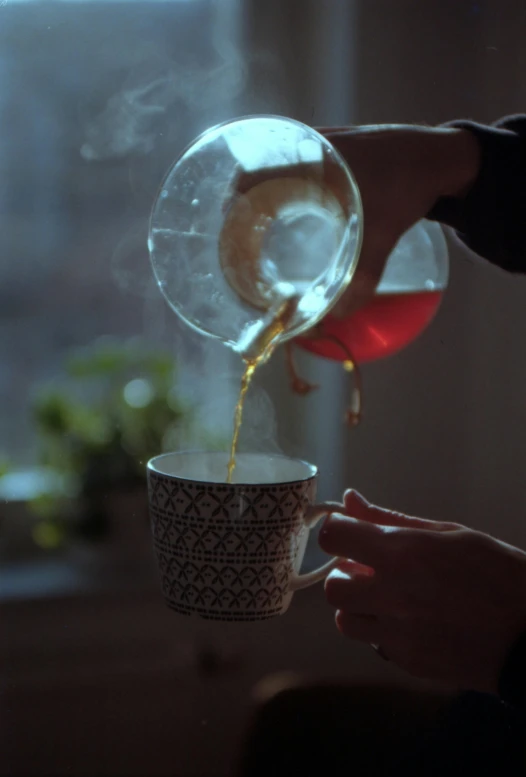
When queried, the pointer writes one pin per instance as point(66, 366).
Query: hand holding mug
point(442, 601)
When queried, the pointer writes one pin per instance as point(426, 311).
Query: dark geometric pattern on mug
point(191, 539)
point(214, 598)
point(223, 502)
point(234, 576)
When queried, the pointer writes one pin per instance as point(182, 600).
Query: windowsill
point(79, 572)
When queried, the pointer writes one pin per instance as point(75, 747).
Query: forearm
point(488, 210)
point(456, 163)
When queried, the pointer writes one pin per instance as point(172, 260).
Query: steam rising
point(209, 375)
point(213, 417)
point(147, 121)
point(162, 91)
point(129, 122)
point(129, 264)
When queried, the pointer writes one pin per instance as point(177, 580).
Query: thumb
point(358, 507)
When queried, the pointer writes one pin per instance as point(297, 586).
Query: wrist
point(456, 161)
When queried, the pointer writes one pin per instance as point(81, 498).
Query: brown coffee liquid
point(250, 368)
point(261, 351)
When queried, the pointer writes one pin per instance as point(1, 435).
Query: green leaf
point(88, 428)
point(103, 362)
point(46, 506)
point(48, 535)
point(4, 465)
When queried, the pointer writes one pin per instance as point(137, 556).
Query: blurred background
point(96, 374)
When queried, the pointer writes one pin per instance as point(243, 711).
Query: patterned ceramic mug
point(233, 552)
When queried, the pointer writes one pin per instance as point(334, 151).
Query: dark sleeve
point(491, 219)
point(512, 680)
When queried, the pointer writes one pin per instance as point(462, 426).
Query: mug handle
point(314, 514)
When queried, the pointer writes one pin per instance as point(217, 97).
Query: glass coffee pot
point(260, 219)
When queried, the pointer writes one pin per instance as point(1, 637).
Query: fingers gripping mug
point(233, 552)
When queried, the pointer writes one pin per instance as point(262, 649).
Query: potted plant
point(114, 406)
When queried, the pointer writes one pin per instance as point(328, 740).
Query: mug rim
point(313, 469)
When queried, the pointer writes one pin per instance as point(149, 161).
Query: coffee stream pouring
point(256, 233)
